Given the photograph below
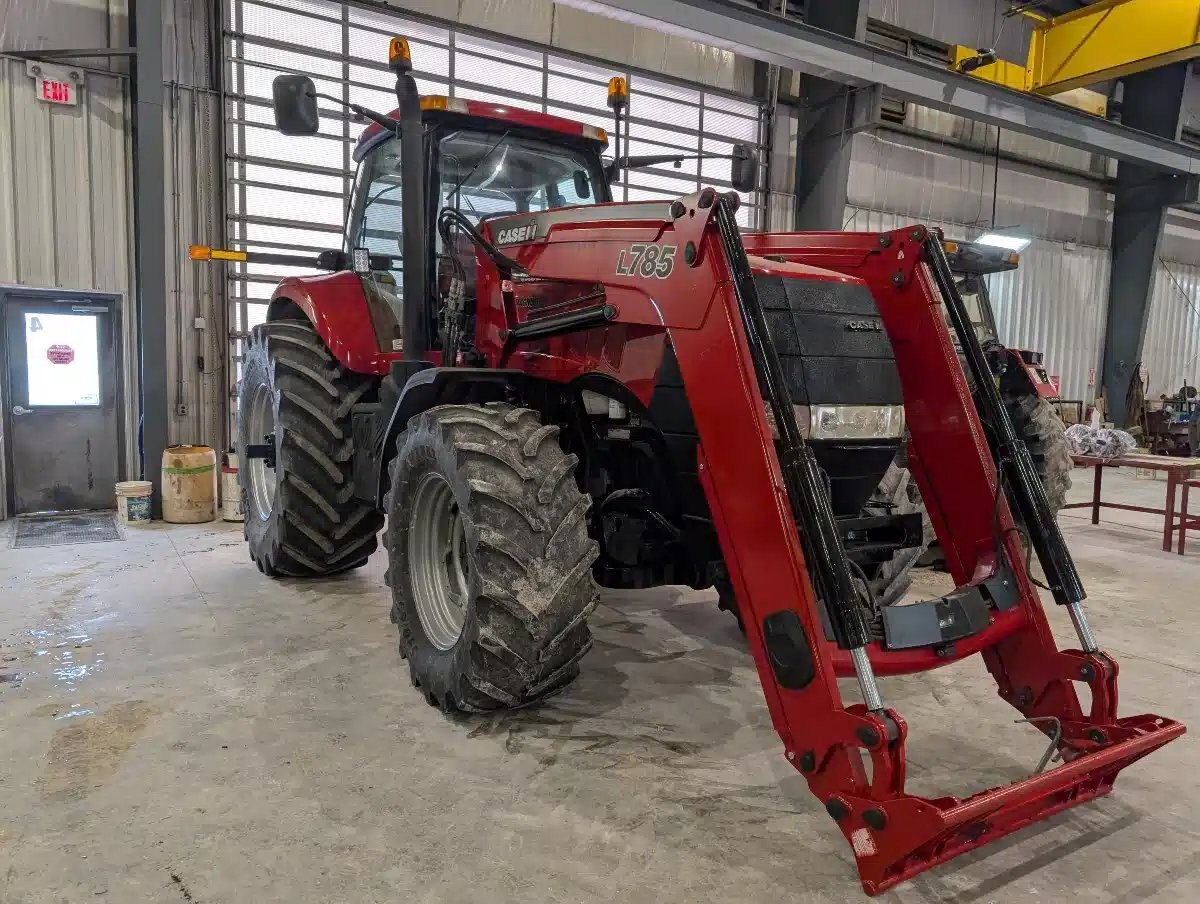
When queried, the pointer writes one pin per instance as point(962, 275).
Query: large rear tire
point(301, 517)
point(490, 562)
point(1045, 435)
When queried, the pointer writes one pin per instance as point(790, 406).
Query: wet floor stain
point(60, 711)
point(86, 752)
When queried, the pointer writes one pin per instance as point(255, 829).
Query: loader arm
point(703, 303)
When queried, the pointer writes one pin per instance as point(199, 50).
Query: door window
point(61, 359)
point(381, 219)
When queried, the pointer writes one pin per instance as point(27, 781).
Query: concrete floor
point(176, 727)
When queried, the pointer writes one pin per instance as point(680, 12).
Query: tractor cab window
point(491, 174)
point(485, 175)
point(378, 222)
point(973, 290)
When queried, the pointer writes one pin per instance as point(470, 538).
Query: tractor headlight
point(851, 421)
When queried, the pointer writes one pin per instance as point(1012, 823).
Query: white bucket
point(133, 501)
point(231, 493)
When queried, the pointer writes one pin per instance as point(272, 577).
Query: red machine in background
point(544, 390)
point(1024, 383)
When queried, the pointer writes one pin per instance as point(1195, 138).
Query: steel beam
point(794, 45)
point(149, 230)
point(823, 159)
point(1153, 102)
point(1111, 39)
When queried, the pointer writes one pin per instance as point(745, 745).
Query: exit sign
point(54, 84)
point(55, 92)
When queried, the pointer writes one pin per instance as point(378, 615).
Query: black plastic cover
point(830, 341)
point(787, 648)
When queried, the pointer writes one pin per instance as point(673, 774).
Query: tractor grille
point(834, 351)
point(830, 341)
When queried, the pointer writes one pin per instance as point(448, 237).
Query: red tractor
point(544, 391)
point(1024, 384)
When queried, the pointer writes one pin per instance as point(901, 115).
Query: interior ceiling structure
point(1058, 7)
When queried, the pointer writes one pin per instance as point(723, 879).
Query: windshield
point(975, 299)
point(489, 174)
point(482, 174)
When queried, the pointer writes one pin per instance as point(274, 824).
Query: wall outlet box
point(199, 323)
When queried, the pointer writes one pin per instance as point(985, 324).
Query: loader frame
point(893, 834)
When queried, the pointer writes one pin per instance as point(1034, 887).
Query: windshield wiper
point(479, 163)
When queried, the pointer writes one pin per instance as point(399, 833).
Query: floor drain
point(60, 530)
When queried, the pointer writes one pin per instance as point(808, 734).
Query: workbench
point(1177, 469)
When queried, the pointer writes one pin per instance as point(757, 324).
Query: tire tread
point(321, 527)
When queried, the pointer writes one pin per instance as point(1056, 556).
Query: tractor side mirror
point(582, 188)
point(743, 168)
point(295, 102)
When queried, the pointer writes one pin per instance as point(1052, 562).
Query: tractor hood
point(836, 356)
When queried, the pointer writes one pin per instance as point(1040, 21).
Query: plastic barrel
point(133, 501)
point(189, 484)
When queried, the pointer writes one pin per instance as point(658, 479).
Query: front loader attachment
point(792, 611)
point(797, 595)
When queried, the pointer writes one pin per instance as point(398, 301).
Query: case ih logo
point(864, 326)
point(516, 234)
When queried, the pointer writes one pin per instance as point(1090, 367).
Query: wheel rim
point(440, 566)
point(260, 478)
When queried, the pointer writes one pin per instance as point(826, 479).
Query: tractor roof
point(436, 103)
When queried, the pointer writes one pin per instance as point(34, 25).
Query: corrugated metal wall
point(938, 167)
point(1171, 354)
point(64, 184)
point(193, 197)
point(932, 180)
point(65, 190)
point(196, 359)
point(566, 28)
point(1053, 303)
point(66, 217)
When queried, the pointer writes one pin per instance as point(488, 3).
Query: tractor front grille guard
point(995, 610)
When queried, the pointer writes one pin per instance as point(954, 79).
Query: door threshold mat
point(60, 530)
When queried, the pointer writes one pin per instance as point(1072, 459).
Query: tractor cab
point(971, 262)
point(484, 161)
point(1018, 368)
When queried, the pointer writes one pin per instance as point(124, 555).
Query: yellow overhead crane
point(1104, 40)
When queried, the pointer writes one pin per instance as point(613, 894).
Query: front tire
point(898, 494)
point(301, 517)
point(490, 562)
point(1039, 425)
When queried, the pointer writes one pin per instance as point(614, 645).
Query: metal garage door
point(286, 193)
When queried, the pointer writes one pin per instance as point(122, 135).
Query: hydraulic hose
point(1011, 453)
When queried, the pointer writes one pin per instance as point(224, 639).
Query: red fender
point(337, 307)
